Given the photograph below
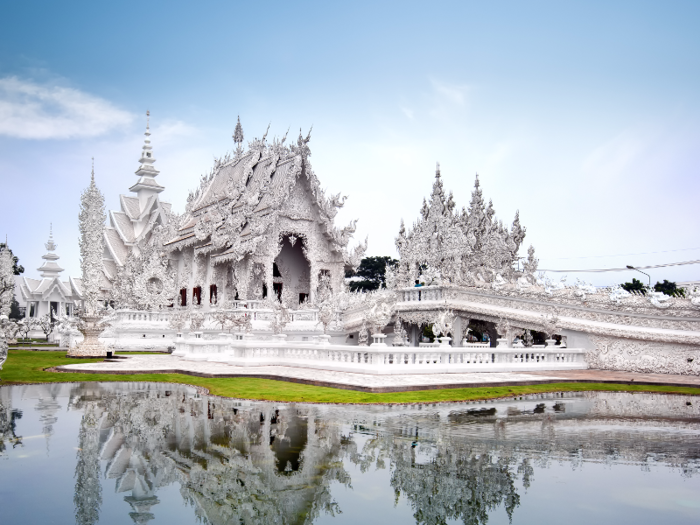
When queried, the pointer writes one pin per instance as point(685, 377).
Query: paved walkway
point(136, 364)
point(614, 376)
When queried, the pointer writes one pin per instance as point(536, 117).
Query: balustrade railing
point(377, 358)
point(422, 293)
point(252, 308)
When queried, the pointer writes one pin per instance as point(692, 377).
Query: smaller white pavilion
point(48, 294)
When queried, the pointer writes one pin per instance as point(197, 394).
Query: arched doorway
point(291, 272)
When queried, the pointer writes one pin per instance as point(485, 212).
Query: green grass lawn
point(23, 366)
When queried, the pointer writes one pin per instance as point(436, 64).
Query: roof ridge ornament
point(238, 137)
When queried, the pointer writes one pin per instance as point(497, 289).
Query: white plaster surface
point(160, 363)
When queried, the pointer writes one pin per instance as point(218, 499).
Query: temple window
point(197, 295)
point(303, 297)
point(277, 287)
point(264, 294)
point(32, 310)
point(213, 297)
point(183, 297)
point(275, 270)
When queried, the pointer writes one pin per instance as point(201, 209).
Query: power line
point(597, 270)
point(619, 255)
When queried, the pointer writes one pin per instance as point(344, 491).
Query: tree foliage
point(669, 288)
point(372, 272)
point(635, 286)
point(666, 287)
point(15, 312)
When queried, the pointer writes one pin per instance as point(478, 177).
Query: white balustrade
point(246, 350)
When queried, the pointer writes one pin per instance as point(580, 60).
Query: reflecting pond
point(151, 453)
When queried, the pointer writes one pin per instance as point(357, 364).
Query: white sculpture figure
point(7, 280)
point(363, 336)
point(694, 295)
point(400, 334)
point(582, 289)
point(503, 328)
point(92, 219)
point(178, 319)
point(550, 326)
point(4, 329)
point(280, 316)
point(659, 299)
point(91, 325)
point(522, 284)
point(498, 282)
point(68, 330)
point(443, 324)
point(380, 311)
point(196, 321)
point(618, 294)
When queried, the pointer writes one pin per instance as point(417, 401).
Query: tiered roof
point(138, 215)
point(236, 205)
point(41, 289)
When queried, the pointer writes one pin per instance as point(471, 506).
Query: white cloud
point(615, 156)
point(173, 130)
point(32, 111)
point(452, 94)
point(408, 112)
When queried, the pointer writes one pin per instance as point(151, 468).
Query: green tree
point(635, 286)
point(14, 310)
point(669, 288)
point(16, 267)
point(372, 272)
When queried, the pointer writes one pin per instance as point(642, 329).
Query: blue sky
point(584, 116)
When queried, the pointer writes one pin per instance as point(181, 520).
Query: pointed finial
point(238, 132)
point(51, 229)
point(437, 169)
point(92, 176)
point(148, 119)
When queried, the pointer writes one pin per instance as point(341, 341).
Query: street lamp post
point(640, 271)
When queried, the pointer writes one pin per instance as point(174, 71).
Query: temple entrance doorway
point(291, 272)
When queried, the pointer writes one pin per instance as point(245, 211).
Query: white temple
point(252, 274)
point(49, 294)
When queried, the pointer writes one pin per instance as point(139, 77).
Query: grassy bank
point(28, 367)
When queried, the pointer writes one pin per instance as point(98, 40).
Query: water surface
point(151, 453)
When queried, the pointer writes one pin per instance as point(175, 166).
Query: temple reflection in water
point(262, 463)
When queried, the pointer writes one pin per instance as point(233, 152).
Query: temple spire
point(92, 174)
point(50, 267)
point(147, 185)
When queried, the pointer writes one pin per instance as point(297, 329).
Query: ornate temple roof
point(139, 213)
point(242, 197)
